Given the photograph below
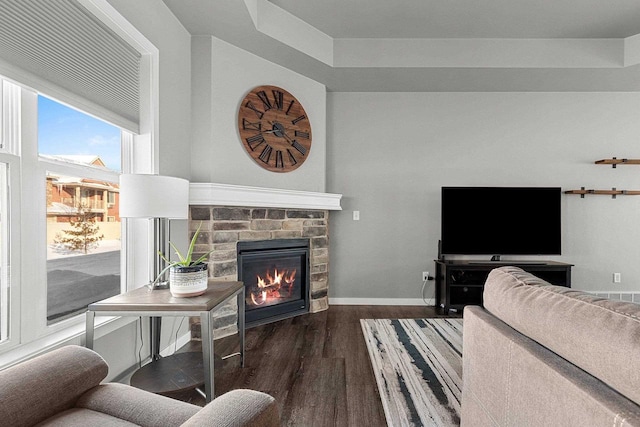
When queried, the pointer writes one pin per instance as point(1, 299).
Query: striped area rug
point(418, 368)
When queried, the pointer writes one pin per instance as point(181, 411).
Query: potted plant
point(187, 277)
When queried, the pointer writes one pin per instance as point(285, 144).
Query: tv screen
point(501, 221)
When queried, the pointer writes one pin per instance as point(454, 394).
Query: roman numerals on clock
point(296, 120)
point(295, 144)
point(252, 107)
point(279, 161)
point(266, 154)
point(274, 129)
point(246, 125)
point(290, 105)
point(265, 100)
point(255, 141)
point(278, 98)
point(292, 158)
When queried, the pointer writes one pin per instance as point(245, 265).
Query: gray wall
point(390, 153)
point(222, 75)
point(156, 22)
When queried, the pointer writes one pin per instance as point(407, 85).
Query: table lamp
point(159, 198)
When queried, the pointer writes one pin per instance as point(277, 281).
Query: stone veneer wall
point(223, 227)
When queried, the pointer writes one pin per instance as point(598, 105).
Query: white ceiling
point(469, 18)
point(428, 21)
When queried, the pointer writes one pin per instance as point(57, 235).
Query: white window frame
point(11, 240)
point(34, 227)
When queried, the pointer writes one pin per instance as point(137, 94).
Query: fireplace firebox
point(276, 279)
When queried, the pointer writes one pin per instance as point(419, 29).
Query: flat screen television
point(501, 221)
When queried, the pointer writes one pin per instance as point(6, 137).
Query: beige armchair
point(62, 388)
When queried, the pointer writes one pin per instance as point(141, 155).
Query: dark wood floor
point(316, 366)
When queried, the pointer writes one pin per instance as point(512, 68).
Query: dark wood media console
point(460, 283)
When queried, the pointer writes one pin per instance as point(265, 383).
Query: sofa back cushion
point(46, 385)
point(598, 335)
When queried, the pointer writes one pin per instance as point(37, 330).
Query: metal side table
point(160, 303)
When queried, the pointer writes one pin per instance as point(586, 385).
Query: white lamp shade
point(153, 196)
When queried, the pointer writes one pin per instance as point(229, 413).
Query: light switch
point(356, 215)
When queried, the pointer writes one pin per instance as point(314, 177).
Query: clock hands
point(276, 130)
point(279, 130)
point(284, 134)
point(273, 131)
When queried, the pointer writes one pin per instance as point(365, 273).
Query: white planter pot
point(188, 281)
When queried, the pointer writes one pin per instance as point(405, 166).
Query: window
point(59, 174)
point(125, 95)
point(82, 156)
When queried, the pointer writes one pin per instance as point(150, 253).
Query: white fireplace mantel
point(201, 193)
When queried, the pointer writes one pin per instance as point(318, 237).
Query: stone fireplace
point(231, 214)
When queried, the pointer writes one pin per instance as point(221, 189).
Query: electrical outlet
point(425, 276)
point(617, 278)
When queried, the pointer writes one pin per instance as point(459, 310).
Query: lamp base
point(158, 285)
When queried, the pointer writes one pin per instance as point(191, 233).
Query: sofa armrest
point(238, 408)
point(137, 406)
point(581, 328)
point(511, 380)
point(45, 385)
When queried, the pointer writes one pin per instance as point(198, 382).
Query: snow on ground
point(55, 251)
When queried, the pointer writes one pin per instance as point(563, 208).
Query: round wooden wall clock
point(274, 129)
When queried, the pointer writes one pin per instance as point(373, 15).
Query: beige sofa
point(62, 388)
point(544, 355)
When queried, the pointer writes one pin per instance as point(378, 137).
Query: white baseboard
point(382, 301)
point(623, 296)
point(620, 295)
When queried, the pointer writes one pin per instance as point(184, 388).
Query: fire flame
point(278, 285)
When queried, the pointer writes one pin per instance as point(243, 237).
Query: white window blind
point(64, 44)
